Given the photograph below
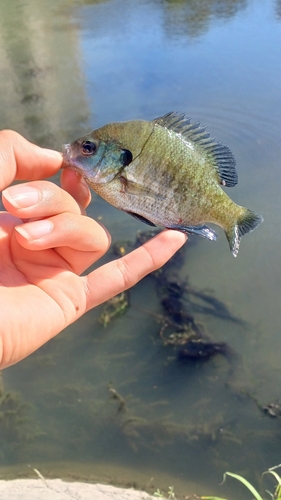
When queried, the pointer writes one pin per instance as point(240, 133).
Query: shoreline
point(57, 489)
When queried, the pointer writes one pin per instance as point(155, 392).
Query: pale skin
point(46, 242)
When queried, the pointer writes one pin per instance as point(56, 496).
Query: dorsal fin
point(222, 156)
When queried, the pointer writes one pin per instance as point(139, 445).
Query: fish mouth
point(66, 151)
point(67, 157)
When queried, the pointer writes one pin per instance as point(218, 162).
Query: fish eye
point(88, 148)
point(126, 157)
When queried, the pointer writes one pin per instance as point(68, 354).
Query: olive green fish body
point(167, 172)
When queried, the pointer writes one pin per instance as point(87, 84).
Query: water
point(73, 66)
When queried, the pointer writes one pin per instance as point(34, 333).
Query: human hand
point(46, 242)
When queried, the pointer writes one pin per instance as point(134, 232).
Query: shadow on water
point(177, 378)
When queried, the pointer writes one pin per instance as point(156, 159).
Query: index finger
point(22, 160)
point(121, 274)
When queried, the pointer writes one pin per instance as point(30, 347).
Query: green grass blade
point(212, 498)
point(245, 482)
point(275, 467)
point(278, 479)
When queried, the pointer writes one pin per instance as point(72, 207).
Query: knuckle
point(127, 279)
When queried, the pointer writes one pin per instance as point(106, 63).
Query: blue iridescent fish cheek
point(104, 163)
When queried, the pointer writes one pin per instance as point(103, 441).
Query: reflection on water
point(43, 87)
point(193, 18)
point(117, 394)
point(278, 9)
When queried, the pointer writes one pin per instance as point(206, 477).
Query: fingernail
point(22, 196)
point(35, 230)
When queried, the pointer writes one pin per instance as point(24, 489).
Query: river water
point(71, 66)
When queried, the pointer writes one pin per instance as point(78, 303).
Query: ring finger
point(80, 240)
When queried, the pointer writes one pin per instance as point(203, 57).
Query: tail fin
point(245, 224)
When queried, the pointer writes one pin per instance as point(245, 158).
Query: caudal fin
point(245, 224)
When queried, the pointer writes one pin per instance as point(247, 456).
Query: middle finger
point(38, 199)
point(74, 184)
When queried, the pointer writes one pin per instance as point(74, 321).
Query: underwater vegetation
point(189, 345)
point(272, 409)
point(16, 428)
point(184, 340)
point(180, 302)
point(116, 306)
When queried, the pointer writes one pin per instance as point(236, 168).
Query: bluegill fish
point(166, 172)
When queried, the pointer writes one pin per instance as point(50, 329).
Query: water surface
point(70, 67)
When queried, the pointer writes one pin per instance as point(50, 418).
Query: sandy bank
point(56, 489)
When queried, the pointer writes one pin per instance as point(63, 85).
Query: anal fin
point(203, 231)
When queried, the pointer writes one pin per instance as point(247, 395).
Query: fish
point(166, 172)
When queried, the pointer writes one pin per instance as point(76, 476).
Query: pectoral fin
point(136, 189)
point(141, 218)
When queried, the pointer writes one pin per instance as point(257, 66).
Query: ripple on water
point(242, 124)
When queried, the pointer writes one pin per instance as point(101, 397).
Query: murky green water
point(68, 67)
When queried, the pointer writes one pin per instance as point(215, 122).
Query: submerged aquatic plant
point(170, 493)
point(16, 427)
point(114, 307)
